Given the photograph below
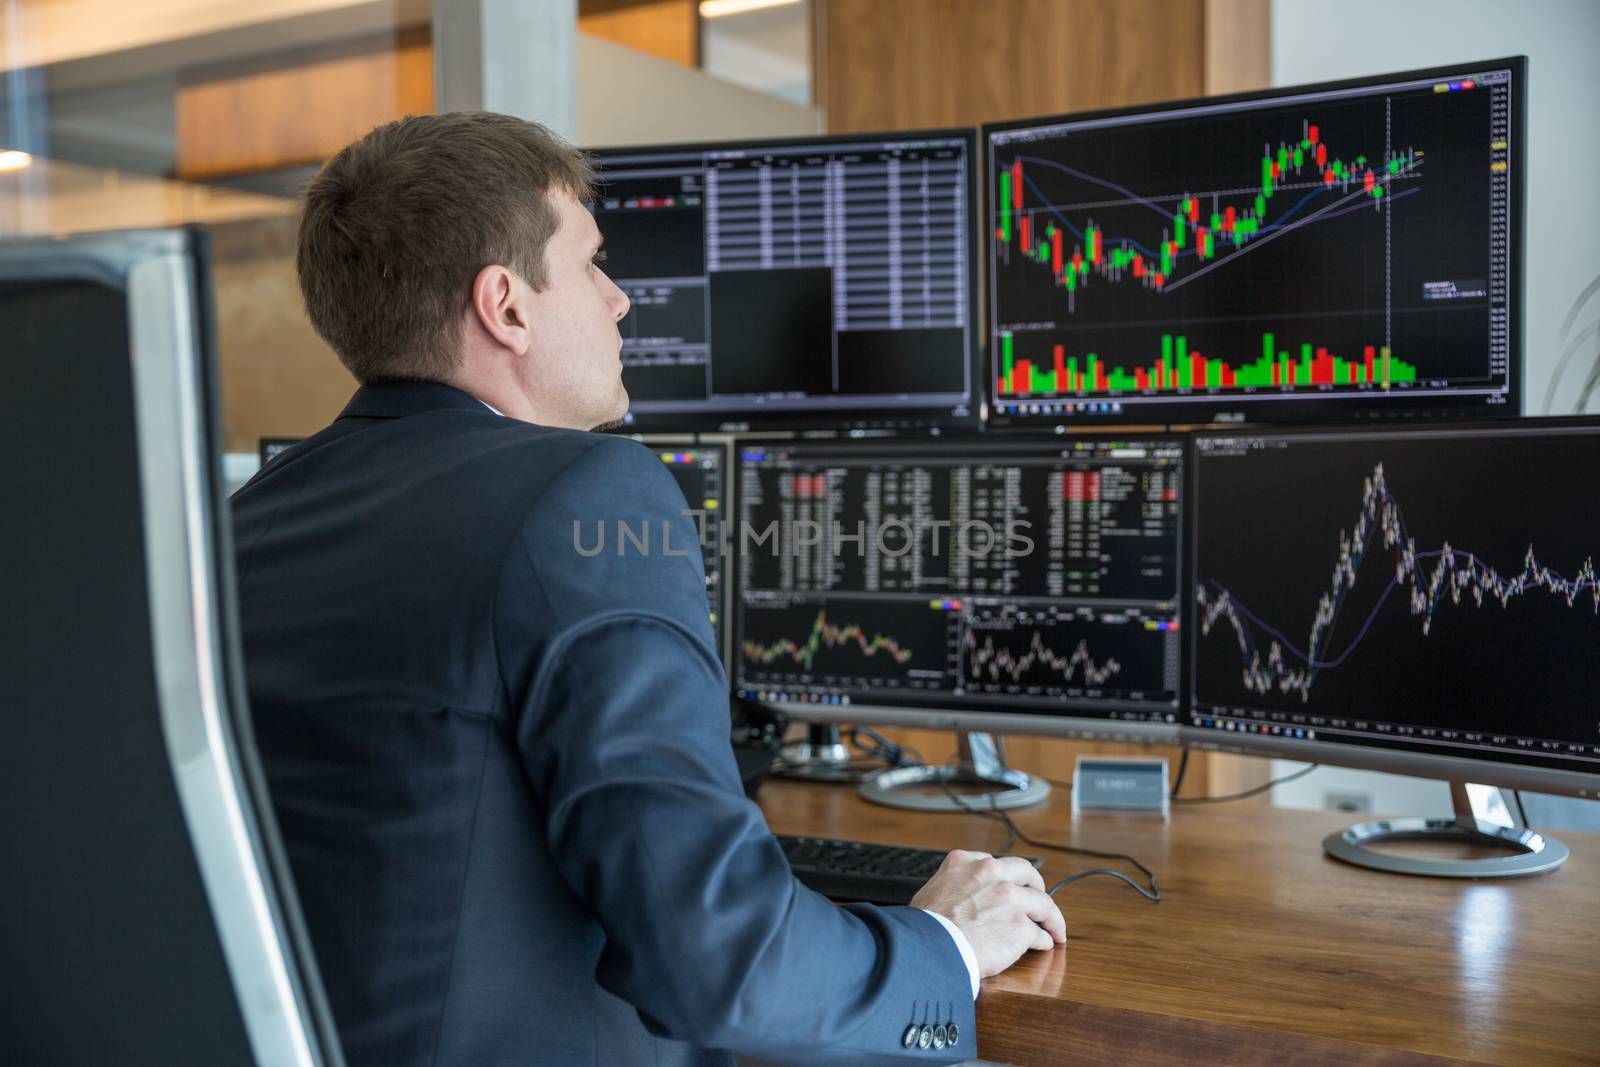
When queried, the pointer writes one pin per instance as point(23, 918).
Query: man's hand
point(999, 904)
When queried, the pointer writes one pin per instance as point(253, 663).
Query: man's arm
point(622, 720)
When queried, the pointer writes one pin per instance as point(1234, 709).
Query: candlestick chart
point(785, 641)
point(1346, 245)
point(1064, 651)
point(1432, 581)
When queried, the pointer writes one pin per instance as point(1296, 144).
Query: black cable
point(871, 742)
point(1522, 812)
point(1152, 894)
point(1183, 769)
point(1257, 791)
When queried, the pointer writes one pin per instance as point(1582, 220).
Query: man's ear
point(499, 307)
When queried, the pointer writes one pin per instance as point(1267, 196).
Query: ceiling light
point(711, 9)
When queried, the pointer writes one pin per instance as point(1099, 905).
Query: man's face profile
point(575, 350)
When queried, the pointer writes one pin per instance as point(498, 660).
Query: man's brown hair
point(398, 224)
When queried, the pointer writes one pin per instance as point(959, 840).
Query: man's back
point(499, 760)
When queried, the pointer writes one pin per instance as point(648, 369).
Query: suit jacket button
point(952, 1033)
point(910, 1037)
point(939, 1036)
point(925, 1037)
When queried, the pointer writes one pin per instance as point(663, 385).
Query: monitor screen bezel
point(865, 417)
point(723, 445)
point(1486, 769)
point(1277, 412)
point(906, 711)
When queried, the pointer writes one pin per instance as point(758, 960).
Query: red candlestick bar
point(1322, 368)
point(1022, 376)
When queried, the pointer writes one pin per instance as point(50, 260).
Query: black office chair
point(148, 912)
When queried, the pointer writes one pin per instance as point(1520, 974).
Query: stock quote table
point(819, 280)
point(1032, 577)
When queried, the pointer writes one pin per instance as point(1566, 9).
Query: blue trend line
point(1319, 664)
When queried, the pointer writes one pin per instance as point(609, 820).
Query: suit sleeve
point(622, 723)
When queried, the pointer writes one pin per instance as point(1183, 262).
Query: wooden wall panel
point(666, 28)
point(897, 64)
point(1238, 45)
point(902, 64)
point(279, 379)
point(300, 106)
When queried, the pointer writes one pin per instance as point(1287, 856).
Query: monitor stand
point(982, 762)
point(821, 757)
point(1534, 853)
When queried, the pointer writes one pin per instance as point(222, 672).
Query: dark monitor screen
point(1302, 253)
point(700, 472)
point(1036, 578)
point(270, 448)
point(1364, 596)
point(795, 283)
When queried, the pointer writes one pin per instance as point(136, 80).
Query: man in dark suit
point(499, 760)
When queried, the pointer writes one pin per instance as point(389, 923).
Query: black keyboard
point(856, 870)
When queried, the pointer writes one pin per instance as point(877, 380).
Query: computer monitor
point(1026, 585)
point(1422, 600)
point(701, 472)
point(1353, 248)
point(828, 282)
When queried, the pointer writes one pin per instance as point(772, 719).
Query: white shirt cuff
point(969, 957)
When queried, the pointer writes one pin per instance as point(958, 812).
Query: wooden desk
point(1264, 950)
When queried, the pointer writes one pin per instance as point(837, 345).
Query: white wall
point(768, 49)
point(1328, 788)
point(1313, 40)
point(626, 97)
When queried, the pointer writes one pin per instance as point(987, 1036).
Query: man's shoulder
point(451, 461)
